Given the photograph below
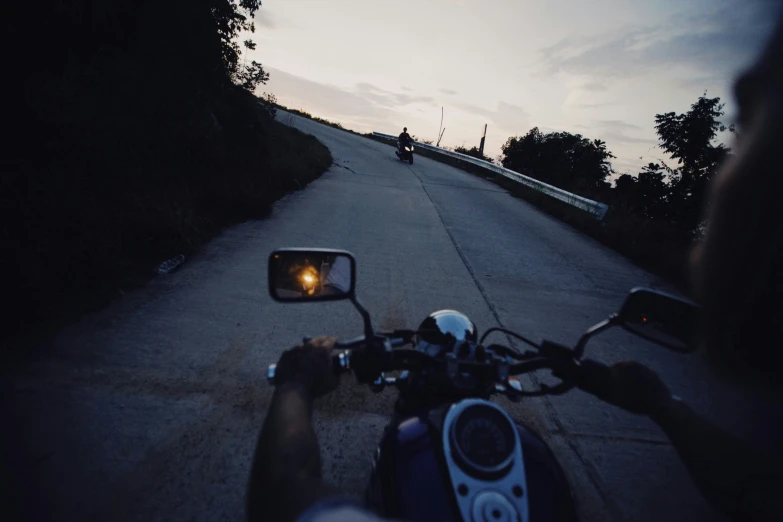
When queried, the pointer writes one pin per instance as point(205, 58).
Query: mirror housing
point(311, 274)
point(661, 318)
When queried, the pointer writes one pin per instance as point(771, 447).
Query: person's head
point(405, 129)
point(737, 268)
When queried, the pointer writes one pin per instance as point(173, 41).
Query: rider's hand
point(309, 365)
point(629, 385)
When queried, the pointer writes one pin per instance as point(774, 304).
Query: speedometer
point(483, 439)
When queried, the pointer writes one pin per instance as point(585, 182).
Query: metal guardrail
point(598, 210)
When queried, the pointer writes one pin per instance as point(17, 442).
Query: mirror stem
point(369, 335)
point(613, 320)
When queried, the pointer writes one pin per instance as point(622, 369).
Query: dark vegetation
point(654, 216)
point(473, 152)
point(136, 137)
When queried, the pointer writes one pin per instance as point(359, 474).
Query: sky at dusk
point(600, 68)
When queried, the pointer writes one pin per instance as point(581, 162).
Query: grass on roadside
point(93, 211)
point(305, 114)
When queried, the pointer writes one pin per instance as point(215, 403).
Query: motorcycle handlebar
point(397, 338)
point(571, 372)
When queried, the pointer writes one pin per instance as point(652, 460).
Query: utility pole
point(440, 134)
point(481, 147)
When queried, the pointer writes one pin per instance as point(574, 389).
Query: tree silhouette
point(474, 152)
point(250, 77)
point(646, 194)
point(250, 45)
point(689, 139)
point(231, 18)
point(569, 161)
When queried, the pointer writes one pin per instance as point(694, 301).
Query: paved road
point(149, 410)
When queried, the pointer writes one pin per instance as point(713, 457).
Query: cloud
point(448, 91)
point(407, 89)
point(265, 18)
point(620, 137)
point(506, 116)
point(592, 105)
point(594, 86)
point(616, 124)
point(621, 167)
point(389, 99)
point(612, 131)
point(714, 42)
point(366, 107)
point(475, 109)
point(617, 131)
point(302, 90)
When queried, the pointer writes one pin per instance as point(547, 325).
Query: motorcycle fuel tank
point(411, 477)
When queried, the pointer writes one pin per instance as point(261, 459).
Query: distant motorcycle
point(405, 153)
point(449, 453)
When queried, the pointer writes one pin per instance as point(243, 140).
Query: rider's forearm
point(722, 466)
point(286, 475)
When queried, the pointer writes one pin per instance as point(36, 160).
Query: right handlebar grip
point(595, 378)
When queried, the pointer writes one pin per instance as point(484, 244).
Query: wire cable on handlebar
point(507, 332)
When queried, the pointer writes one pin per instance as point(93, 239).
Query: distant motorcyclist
point(404, 139)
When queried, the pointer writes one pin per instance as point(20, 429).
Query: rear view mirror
point(661, 318)
point(311, 275)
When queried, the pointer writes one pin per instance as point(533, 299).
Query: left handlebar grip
point(595, 378)
point(341, 363)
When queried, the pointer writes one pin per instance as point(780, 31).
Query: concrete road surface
point(149, 410)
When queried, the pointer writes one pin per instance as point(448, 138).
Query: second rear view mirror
point(661, 318)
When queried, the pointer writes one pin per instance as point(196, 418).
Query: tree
point(645, 193)
point(250, 45)
point(677, 194)
point(569, 161)
point(232, 17)
point(270, 103)
point(474, 152)
point(689, 139)
point(250, 77)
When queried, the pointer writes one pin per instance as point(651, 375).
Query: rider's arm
point(736, 477)
point(286, 476)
